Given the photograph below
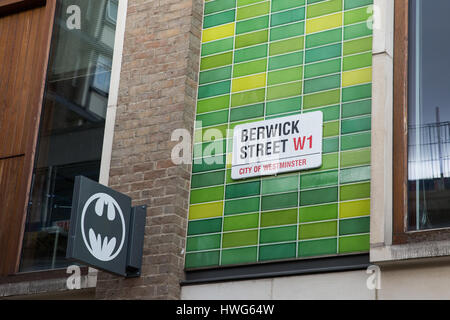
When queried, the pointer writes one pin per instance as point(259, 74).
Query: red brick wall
point(156, 96)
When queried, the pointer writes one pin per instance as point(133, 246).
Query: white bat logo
point(103, 248)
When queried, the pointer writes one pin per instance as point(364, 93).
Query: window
point(71, 129)
point(422, 107)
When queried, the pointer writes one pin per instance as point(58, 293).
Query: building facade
point(145, 96)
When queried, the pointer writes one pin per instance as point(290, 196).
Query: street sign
point(105, 231)
point(277, 146)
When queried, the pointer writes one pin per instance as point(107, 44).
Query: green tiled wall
point(265, 59)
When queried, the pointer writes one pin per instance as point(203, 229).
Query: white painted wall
point(349, 285)
point(429, 280)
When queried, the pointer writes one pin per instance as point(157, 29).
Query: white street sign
point(276, 146)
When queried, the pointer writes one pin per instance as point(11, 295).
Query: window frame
point(400, 234)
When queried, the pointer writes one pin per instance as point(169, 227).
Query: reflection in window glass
point(71, 128)
point(429, 116)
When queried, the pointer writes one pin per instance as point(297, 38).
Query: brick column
point(156, 96)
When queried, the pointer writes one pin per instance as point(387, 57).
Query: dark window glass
point(429, 116)
point(72, 125)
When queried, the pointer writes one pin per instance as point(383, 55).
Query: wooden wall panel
point(24, 49)
point(13, 6)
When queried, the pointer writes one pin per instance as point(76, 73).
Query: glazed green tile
point(251, 11)
point(239, 256)
point(213, 104)
point(323, 53)
point(317, 247)
point(216, 61)
point(219, 5)
point(354, 175)
point(209, 149)
point(279, 5)
point(288, 31)
point(241, 3)
point(319, 196)
point(351, 4)
point(357, 15)
point(322, 68)
point(283, 106)
point(218, 46)
point(202, 259)
point(286, 60)
point(329, 161)
point(323, 8)
point(356, 125)
point(323, 38)
point(211, 133)
point(203, 135)
point(357, 108)
point(215, 75)
point(357, 31)
point(355, 191)
point(356, 141)
point(241, 206)
point(219, 18)
point(284, 90)
point(241, 190)
point(357, 61)
point(213, 118)
point(354, 226)
point(283, 115)
point(252, 24)
point(278, 218)
point(206, 210)
point(329, 113)
point(247, 112)
point(240, 239)
point(208, 164)
point(247, 68)
point(323, 179)
point(357, 92)
point(317, 230)
point(280, 234)
point(234, 124)
point(251, 53)
point(285, 75)
point(280, 184)
point(204, 226)
point(206, 194)
point(248, 97)
point(323, 83)
point(285, 46)
point(207, 179)
point(354, 244)
point(321, 99)
point(288, 16)
point(200, 243)
point(318, 213)
point(330, 145)
point(241, 222)
point(358, 45)
point(285, 200)
point(251, 39)
point(277, 251)
point(355, 158)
